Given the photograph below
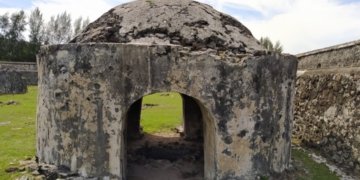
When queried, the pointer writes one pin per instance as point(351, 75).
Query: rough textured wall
point(343, 55)
point(19, 66)
point(30, 77)
point(85, 91)
point(327, 103)
point(327, 114)
point(11, 83)
point(27, 70)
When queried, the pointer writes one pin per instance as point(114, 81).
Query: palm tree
point(269, 46)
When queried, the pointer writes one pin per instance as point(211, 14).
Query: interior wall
point(192, 117)
point(133, 127)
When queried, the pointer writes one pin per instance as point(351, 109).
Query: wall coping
point(330, 48)
point(15, 62)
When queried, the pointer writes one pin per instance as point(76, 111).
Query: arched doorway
point(172, 152)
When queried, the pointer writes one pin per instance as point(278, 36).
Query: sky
point(299, 25)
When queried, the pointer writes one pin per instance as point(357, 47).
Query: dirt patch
point(4, 123)
point(163, 157)
point(148, 105)
point(187, 165)
point(11, 102)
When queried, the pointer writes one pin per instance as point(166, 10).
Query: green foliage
point(12, 45)
point(16, 26)
point(269, 46)
point(12, 27)
point(36, 24)
point(18, 50)
point(4, 24)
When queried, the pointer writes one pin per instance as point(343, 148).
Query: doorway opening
point(165, 138)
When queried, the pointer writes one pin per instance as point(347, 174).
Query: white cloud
point(8, 10)
point(311, 25)
point(300, 25)
point(265, 7)
point(92, 9)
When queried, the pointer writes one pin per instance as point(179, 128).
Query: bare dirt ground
point(164, 157)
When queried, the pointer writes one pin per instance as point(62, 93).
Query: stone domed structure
point(187, 23)
point(238, 96)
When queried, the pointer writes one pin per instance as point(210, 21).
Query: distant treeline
point(58, 30)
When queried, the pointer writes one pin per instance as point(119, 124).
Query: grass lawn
point(164, 115)
point(17, 129)
point(315, 170)
point(161, 112)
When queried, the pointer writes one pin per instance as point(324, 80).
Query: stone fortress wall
point(327, 103)
point(27, 70)
point(11, 82)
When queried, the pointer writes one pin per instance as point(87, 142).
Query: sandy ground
point(164, 157)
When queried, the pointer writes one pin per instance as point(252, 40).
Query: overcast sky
point(300, 25)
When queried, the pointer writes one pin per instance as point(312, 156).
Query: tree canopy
point(15, 47)
point(269, 46)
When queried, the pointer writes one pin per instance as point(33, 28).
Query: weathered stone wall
point(327, 103)
point(11, 83)
point(327, 114)
point(343, 55)
point(85, 91)
point(18, 66)
point(27, 70)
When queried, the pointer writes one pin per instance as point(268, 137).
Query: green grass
point(17, 129)
point(315, 170)
point(167, 113)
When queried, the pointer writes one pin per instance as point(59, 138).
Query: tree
point(48, 31)
point(17, 26)
point(79, 25)
point(4, 24)
point(64, 31)
point(36, 23)
point(12, 45)
point(58, 29)
point(269, 46)
point(85, 23)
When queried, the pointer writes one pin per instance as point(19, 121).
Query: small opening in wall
point(164, 134)
point(318, 66)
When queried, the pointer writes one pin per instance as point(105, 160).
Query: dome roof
point(179, 22)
